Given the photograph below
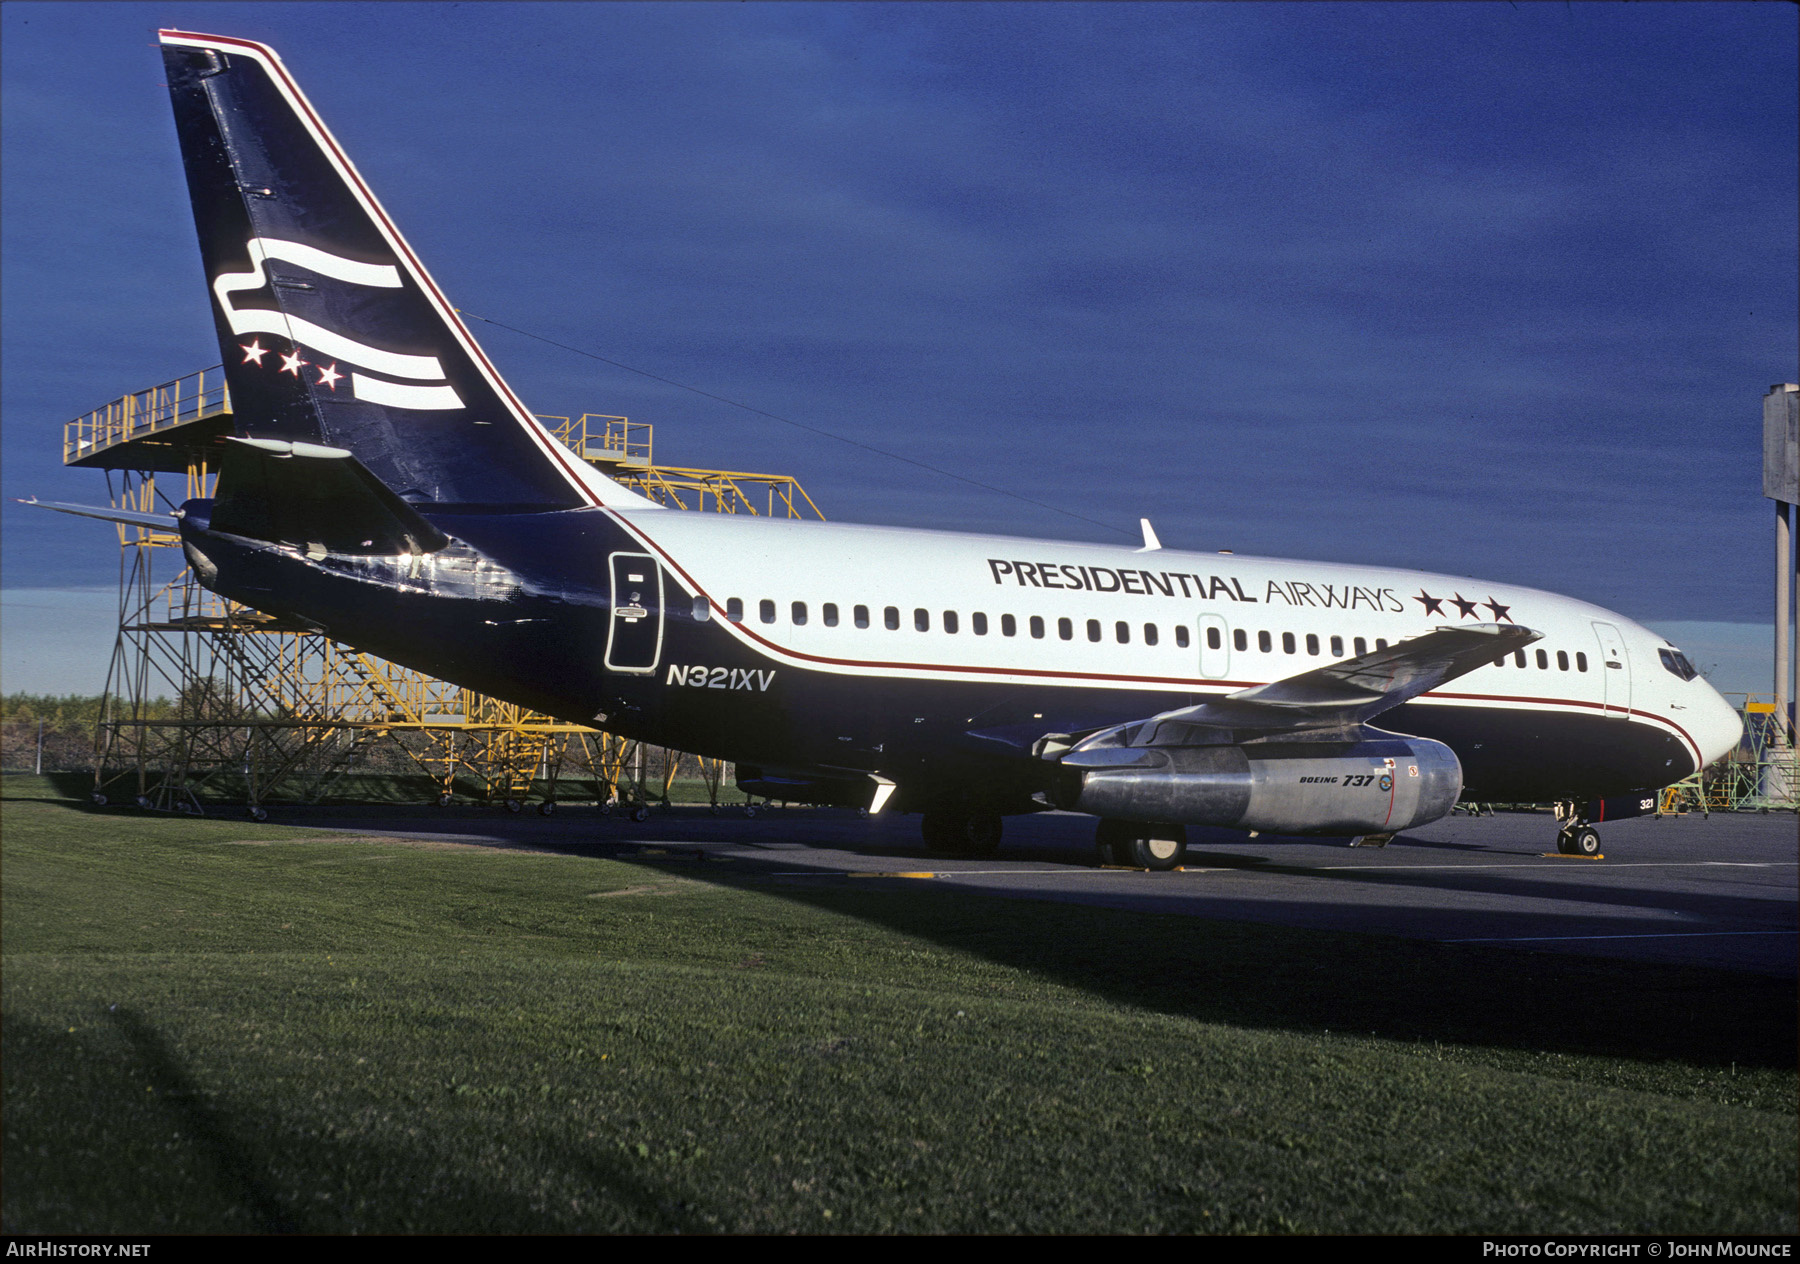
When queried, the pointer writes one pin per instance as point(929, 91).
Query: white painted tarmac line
point(1693, 934)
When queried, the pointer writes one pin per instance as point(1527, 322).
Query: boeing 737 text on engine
point(387, 487)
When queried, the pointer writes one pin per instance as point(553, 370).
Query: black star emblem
point(1498, 609)
point(1464, 608)
point(1433, 605)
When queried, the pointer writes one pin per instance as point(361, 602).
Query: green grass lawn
point(221, 1026)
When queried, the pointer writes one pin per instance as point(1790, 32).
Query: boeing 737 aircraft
point(387, 487)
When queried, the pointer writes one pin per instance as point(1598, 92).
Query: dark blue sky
point(1481, 288)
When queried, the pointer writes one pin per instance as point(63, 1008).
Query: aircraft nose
point(1717, 727)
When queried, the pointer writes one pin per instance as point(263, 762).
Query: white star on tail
point(254, 352)
point(292, 363)
point(329, 377)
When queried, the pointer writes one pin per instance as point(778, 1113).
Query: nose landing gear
point(1578, 838)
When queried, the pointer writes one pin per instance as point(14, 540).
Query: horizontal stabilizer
point(315, 497)
point(130, 517)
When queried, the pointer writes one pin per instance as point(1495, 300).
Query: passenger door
point(1615, 672)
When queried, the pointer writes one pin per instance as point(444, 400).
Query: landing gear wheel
point(1139, 846)
point(1581, 840)
point(961, 833)
point(935, 828)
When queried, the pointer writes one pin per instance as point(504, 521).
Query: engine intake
point(1375, 783)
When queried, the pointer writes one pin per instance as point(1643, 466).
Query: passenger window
point(1240, 639)
point(1009, 626)
point(734, 609)
point(1337, 647)
point(949, 620)
point(1213, 639)
point(1518, 658)
point(1562, 660)
point(830, 613)
point(1149, 634)
point(1287, 643)
point(702, 610)
point(890, 617)
point(1360, 646)
point(1380, 644)
point(1263, 642)
point(1065, 628)
point(1037, 626)
point(1181, 636)
point(766, 609)
point(861, 615)
point(1122, 631)
point(1093, 629)
point(921, 620)
point(1312, 643)
point(1580, 661)
point(978, 623)
point(1543, 661)
point(799, 613)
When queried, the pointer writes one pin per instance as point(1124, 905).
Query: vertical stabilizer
point(331, 330)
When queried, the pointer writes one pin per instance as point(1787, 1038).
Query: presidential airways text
point(1105, 579)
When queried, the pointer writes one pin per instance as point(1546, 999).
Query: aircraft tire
point(937, 828)
point(1111, 839)
point(1584, 841)
point(1158, 847)
point(980, 834)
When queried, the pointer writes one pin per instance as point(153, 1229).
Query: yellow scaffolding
point(266, 709)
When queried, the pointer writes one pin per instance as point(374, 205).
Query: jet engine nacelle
point(1375, 784)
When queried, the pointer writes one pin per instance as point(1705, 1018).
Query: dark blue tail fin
point(332, 331)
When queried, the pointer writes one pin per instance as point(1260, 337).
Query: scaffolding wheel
point(547, 808)
point(143, 801)
point(749, 809)
point(97, 799)
point(641, 812)
point(443, 800)
point(513, 805)
point(606, 809)
point(714, 809)
point(259, 814)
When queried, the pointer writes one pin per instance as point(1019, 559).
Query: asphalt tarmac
point(1715, 891)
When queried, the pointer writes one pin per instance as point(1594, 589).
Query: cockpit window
point(1678, 663)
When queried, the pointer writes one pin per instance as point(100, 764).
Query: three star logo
point(1465, 608)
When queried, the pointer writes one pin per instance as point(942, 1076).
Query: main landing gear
point(961, 833)
point(1139, 846)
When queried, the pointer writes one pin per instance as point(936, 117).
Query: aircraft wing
point(1341, 695)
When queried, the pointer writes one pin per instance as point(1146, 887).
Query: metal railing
point(190, 398)
point(603, 439)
